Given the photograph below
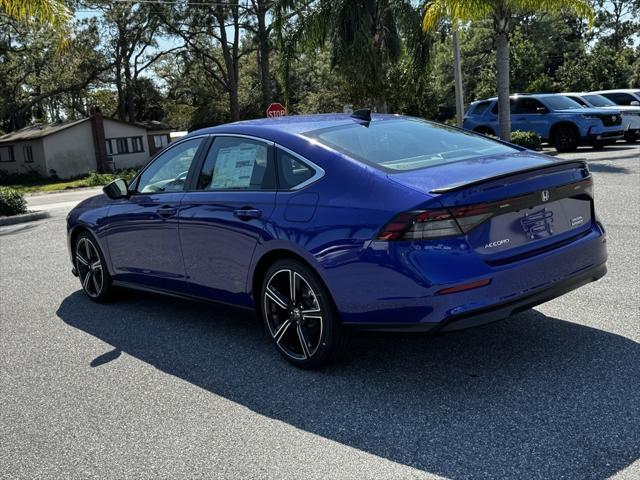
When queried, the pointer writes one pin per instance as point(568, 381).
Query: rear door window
point(237, 163)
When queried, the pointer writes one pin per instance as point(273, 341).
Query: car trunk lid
point(511, 206)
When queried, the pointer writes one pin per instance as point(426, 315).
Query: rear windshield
point(406, 144)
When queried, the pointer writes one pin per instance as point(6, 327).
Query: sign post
point(276, 110)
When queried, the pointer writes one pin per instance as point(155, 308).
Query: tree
point(501, 12)
point(39, 81)
point(130, 32)
point(364, 38)
point(45, 12)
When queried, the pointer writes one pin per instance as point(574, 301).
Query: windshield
point(599, 101)
point(558, 102)
point(406, 144)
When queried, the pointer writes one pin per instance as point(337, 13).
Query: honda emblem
point(545, 195)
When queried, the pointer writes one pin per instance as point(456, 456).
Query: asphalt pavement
point(154, 387)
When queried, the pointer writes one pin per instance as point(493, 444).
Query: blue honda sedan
point(326, 223)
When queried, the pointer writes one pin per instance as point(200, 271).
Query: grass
point(35, 184)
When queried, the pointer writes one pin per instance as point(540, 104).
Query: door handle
point(166, 211)
point(247, 213)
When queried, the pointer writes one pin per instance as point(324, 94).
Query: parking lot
point(156, 387)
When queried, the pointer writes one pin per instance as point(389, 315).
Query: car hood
point(587, 111)
point(623, 108)
point(428, 179)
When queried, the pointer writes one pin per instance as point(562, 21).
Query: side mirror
point(542, 110)
point(116, 189)
point(635, 103)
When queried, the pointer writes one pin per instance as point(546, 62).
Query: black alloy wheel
point(300, 316)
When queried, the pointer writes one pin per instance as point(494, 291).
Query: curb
point(23, 218)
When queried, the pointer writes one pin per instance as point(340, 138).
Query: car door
point(529, 115)
point(226, 215)
point(142, 234)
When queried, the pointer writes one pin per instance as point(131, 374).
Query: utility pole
point(457, 75)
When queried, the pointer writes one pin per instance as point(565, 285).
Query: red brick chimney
point(99, 144)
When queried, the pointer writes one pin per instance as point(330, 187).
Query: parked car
point(630, 115)
point(558, 120)
point(625, 96)
point(326, 222)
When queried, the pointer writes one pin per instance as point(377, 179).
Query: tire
point(565, 139)
point(91, 267)
point(307, 331)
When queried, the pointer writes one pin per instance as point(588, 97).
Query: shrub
point(95, 179)
point(126, 174)
point(12, 202)
point(530, 140)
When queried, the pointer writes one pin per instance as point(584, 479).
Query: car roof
point(292, 124)
point(619, 90)
point(522, 95)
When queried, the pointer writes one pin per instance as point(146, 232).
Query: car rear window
point(406, 144)
point(480, 108)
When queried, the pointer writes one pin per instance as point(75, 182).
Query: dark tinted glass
point(291, 171)
point(599, 101)
point(481, 108)
point(407, 144)
point(558, 102)
point(235, 163)
point(526, 106)
point(620, 98)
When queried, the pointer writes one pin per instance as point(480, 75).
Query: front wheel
point(299, 315)
point(91, 268)
point(565, 139)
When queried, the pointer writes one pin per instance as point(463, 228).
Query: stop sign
point(276, 110)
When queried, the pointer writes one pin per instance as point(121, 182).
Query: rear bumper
point(500, 311)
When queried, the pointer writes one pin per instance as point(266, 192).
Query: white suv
point(630, 114)
point(624, 96)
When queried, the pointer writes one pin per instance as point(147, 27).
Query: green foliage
point(530, 140)
point(12, 202)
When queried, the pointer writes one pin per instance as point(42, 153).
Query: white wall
point(20, 164)
point(70, 152)
point(113, 130)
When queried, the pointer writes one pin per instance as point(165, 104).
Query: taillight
point(430, 224)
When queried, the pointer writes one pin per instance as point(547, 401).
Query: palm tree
point(501, 12)
point(47, 12)
point(364, 38)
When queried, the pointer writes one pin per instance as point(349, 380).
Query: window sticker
point(234, 167)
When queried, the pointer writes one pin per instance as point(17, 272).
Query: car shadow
point(533, 396)
point(606, 168)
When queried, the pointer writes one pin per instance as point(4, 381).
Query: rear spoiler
point(459, 186)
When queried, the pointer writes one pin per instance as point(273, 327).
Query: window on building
point(6, 154)
point(122, 146)
point(28, 154)
point(136, 144)
point(109, 145)
point(160, 141)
